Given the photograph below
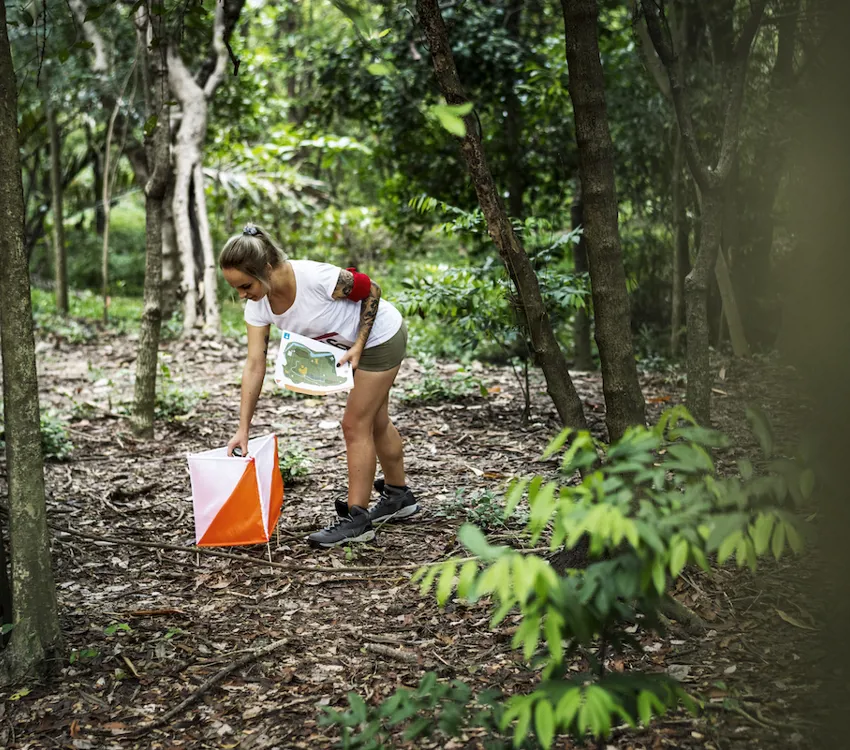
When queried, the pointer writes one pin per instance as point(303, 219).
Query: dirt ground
point(145, 627)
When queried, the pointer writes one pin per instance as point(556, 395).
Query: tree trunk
point(514, 121)
point(210, 295)
point(624, 403)
point(581, 327)
point(36, 637)
point(60, 263)
point(194, 101)
point(171, 266)
point(700, 380)
point(156, 81)
point(543, 342)
point(681, 249)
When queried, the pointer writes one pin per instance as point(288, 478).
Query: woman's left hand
point(352, 356)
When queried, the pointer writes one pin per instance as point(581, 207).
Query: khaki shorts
point(385, 356)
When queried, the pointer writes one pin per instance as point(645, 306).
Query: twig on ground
point(197, 694)
point(392, 653)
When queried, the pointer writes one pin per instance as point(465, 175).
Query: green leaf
point(795, 541)
point(63, 55)
point(544, 723)
point(358, 707)
point(7, 628)
point(93, 12)
point(514, 496)
point(552, 630)
point(428, 580)
point(466, 579)
point(728, 546)
point(724, 526)
point(761, 427)
point(778, 540)
point(761, 532)
point(746, 469)
point(567, 707)
point(446, 583)
point(473, 539)
point(379, 69)
point(807, 483)
point(658, 576)
point(523, 723)
point(557, 443)
point(679, 556)
point(150, 125)
point(451, 119)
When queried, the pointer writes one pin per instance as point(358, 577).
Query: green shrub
point(480, 507)
point(650, 506)
point(55, 441)
point(293, 463)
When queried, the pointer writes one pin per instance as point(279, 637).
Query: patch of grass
point(293, 462)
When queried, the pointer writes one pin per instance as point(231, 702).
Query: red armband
point(361, 287)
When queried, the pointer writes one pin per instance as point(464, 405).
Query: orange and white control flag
point(236, 500)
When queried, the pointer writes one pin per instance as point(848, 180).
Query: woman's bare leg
point(370, 392)
point(389, 447)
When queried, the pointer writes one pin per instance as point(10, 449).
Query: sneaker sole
point(399, 515)
point(366, 536)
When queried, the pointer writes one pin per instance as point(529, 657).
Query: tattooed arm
point(368, 313)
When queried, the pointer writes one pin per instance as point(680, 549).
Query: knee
point(354, 428)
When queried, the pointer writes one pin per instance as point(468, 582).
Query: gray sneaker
point(355, 526)
point(393, 505)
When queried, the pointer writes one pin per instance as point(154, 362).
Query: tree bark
point(543, 342)
point(624, 404)
point(36, 637)
point(194, 102)
point(60, 261)
point(681, 249)
point(711, 181)
point(581, 326)
point(158, 165)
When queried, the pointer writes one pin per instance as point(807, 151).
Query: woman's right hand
point(239, 440)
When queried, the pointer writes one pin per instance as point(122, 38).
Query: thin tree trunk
point(581, 326)
point(60, 262)
point(514, 122)
point(543, 342)
point(211, 314)
point(36, 637)
point(156, 82)
point(623, 398)
point(681, 249)
point(171, 265)
point(183, 162)
point(700, 378)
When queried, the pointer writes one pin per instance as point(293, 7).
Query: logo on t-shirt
point(328, 338)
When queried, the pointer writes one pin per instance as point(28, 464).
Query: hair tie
point(250, 230)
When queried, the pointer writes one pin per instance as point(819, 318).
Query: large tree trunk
point(158, 163)
point(581, 326)
point(194, 101)
point(624, 403)
point(543, 342)
point(36, 637)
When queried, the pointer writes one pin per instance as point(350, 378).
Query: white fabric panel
point(214, 476)
point(262, 449)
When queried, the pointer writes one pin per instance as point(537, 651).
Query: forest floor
point(146, 626)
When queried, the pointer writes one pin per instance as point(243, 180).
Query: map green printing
point(303, 365)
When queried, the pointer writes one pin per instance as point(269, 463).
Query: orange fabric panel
point(240, 520)
point(276, 497)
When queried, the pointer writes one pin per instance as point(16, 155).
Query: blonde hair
point(251, 252)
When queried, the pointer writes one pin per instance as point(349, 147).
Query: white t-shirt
point(317, 315)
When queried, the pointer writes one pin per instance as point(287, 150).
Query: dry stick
point(392, 653)
point(259, 561)
point(211, 682)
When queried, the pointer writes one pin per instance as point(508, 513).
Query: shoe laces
point(340, 520)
